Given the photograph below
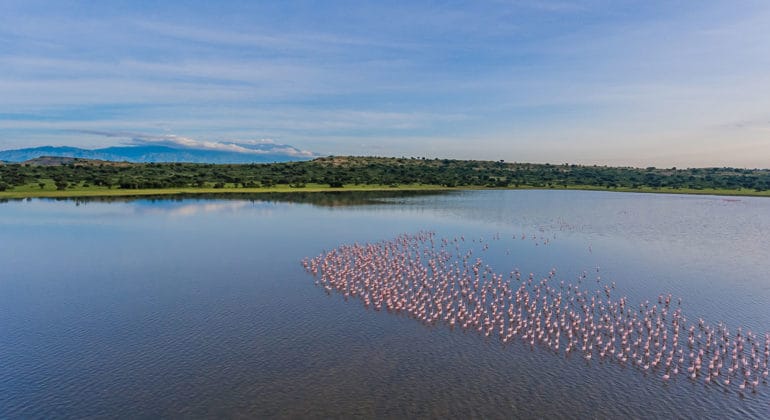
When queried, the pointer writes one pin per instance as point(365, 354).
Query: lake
point(200, 307)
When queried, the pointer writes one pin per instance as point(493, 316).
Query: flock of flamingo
point(433, 281)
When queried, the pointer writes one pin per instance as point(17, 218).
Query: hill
point(239, 153)
point(59, 161)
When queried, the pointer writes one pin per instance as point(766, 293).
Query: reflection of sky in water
point(222, 208)
point(709, 250)
point(149, 291)
point(695, 223)
point(648, 243)
point(85, 211)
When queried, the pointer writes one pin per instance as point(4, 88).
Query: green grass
point(49, 190)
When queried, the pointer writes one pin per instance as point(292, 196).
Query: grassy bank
point(50, 191)
point(29, 191)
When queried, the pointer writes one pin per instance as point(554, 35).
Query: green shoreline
point(104, 192)
point(63, 177)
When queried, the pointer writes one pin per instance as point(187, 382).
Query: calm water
point(200, 308)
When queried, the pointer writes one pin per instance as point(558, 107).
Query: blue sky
point(664, 83)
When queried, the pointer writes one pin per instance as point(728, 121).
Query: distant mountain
point(59, 161)
point(218, 153)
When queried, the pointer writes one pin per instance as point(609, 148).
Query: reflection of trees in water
point(321, 199)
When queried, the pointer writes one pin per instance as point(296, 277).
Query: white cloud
point(551, 80)
point(268, 146)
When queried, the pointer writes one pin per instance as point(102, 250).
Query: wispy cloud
point(257, 147)
point(546, 80)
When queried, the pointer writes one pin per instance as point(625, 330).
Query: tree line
point(340, 171)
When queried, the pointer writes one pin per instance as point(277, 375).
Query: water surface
point(199, 307)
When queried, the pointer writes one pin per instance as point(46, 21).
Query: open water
point(199, 307)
